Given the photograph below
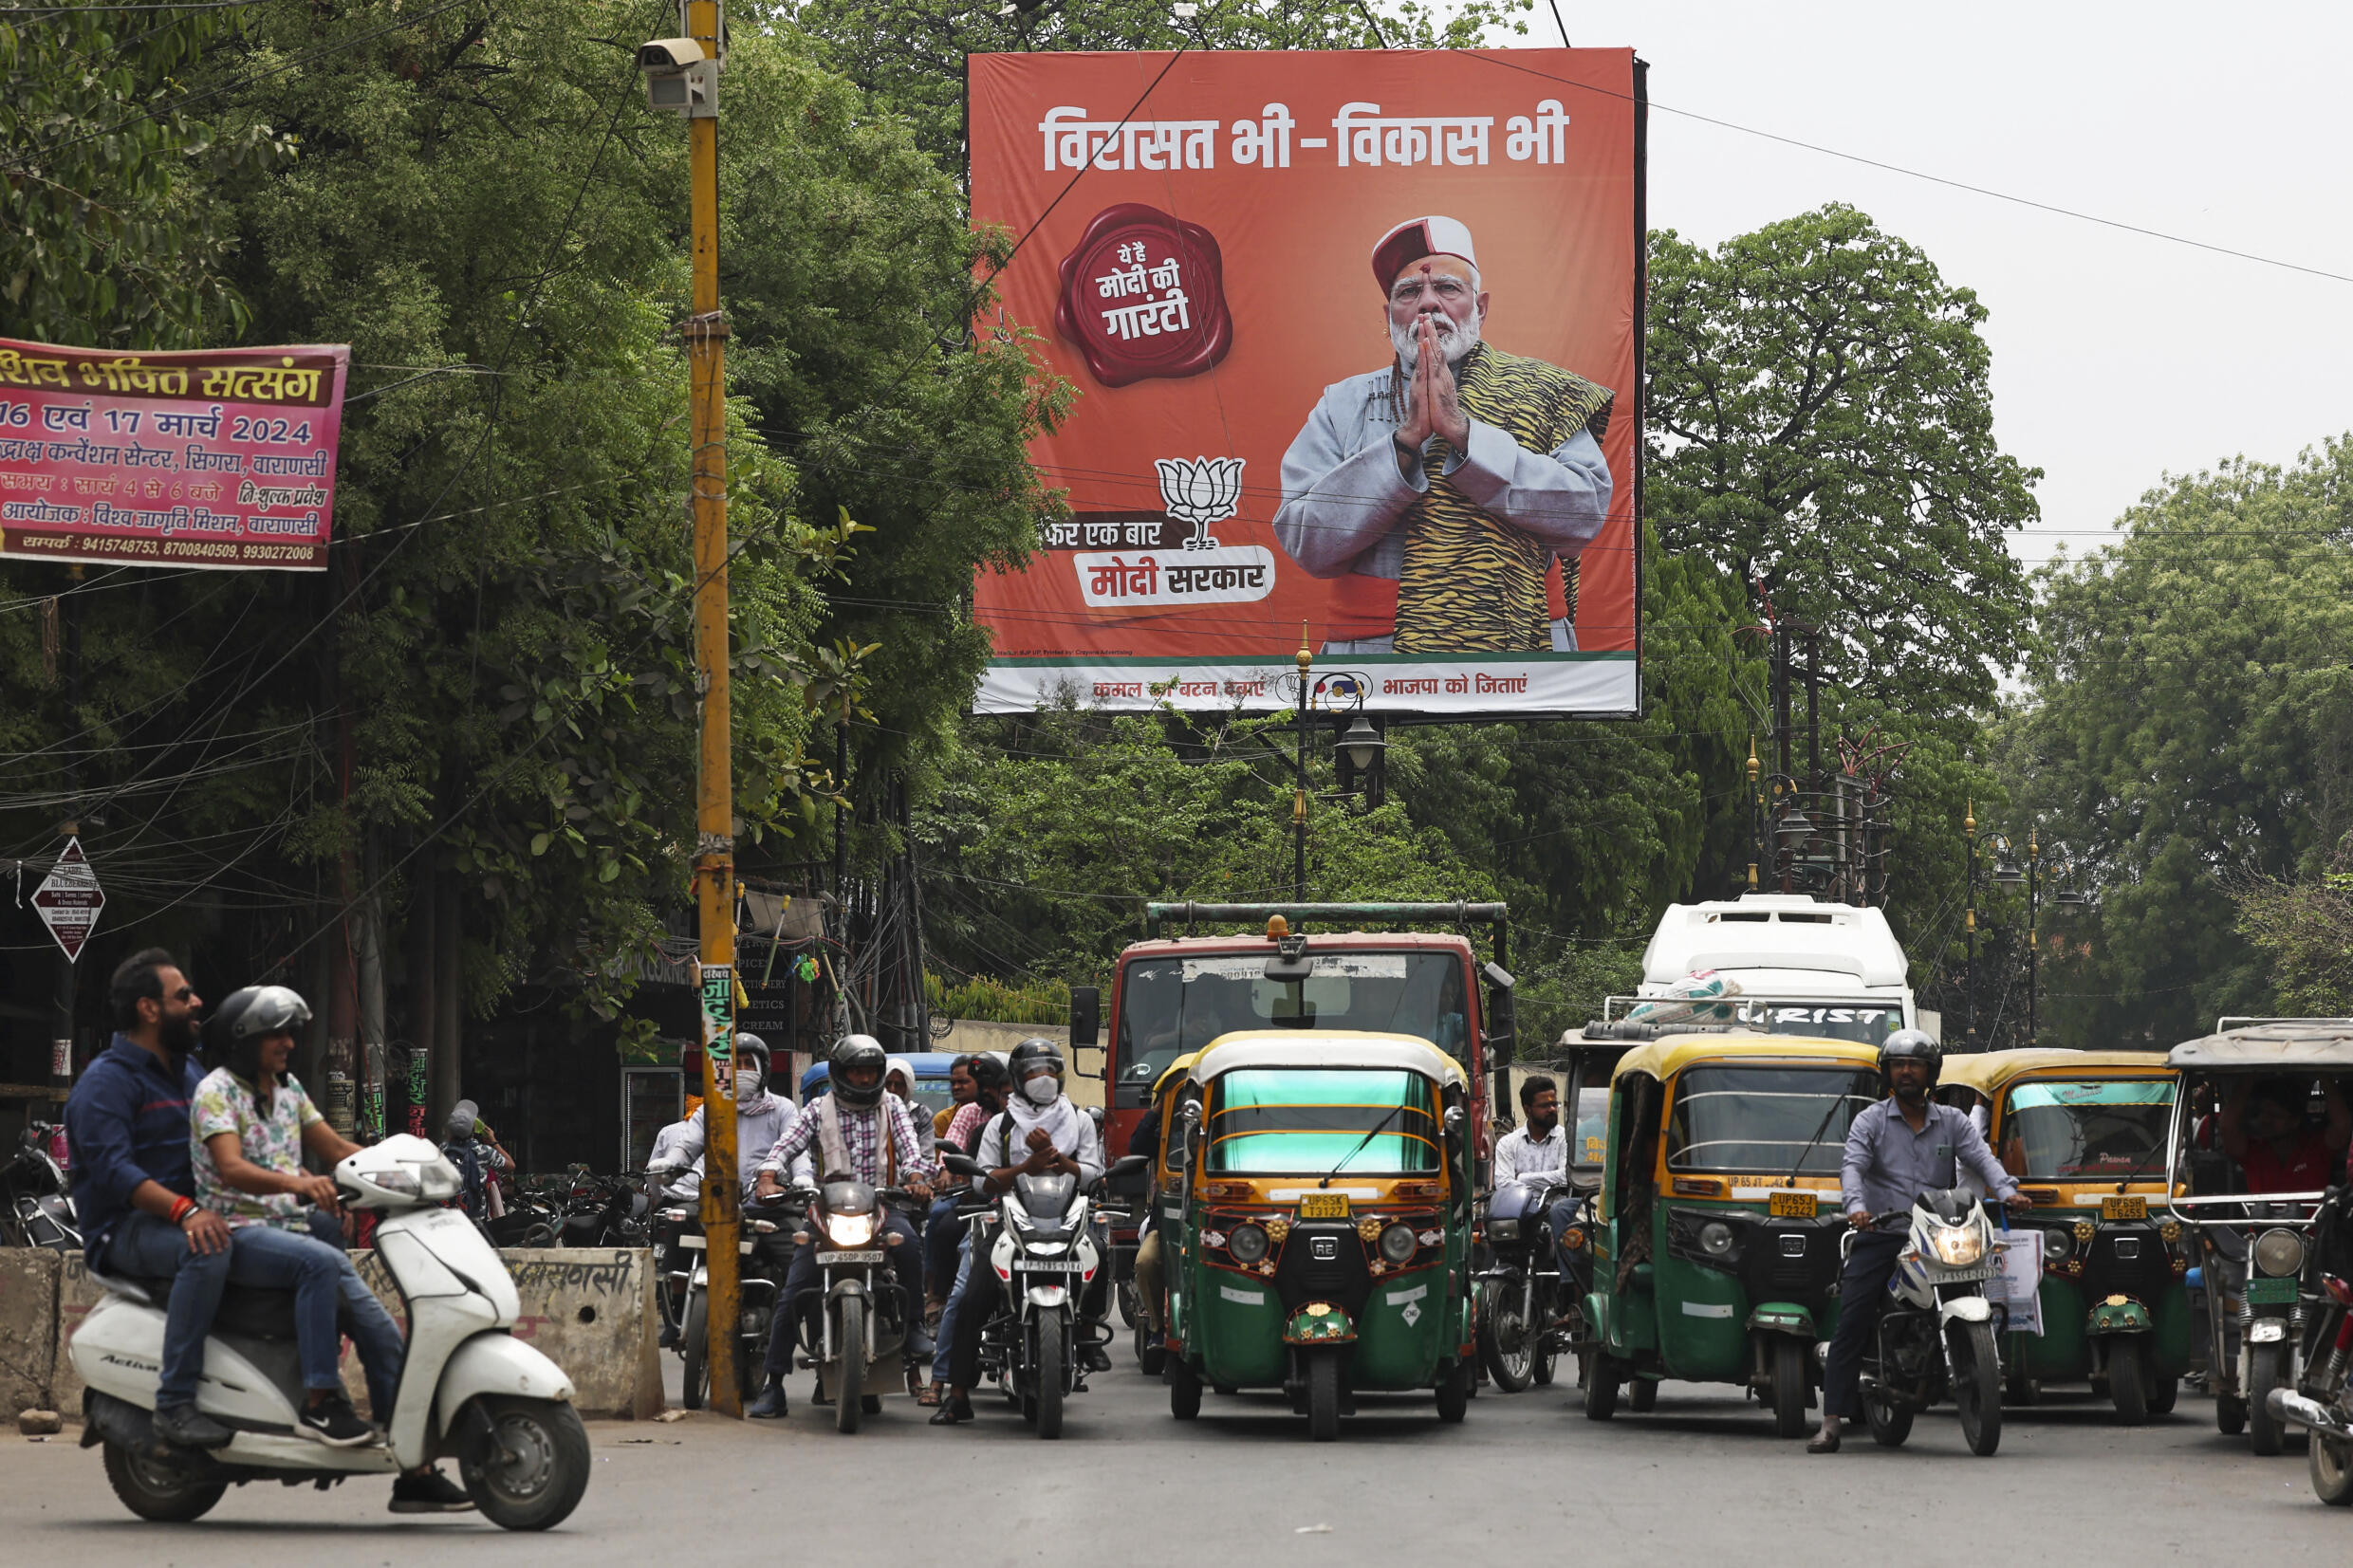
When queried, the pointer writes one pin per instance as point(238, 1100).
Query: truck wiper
point(1378, 1127)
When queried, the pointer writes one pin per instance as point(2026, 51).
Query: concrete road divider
point(28, 1326)
point(590, 1310)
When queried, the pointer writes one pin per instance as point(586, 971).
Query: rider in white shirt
point(1536, 1152)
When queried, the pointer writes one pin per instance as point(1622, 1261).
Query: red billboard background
point(1195, 258)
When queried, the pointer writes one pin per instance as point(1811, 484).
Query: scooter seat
point(248, 1311)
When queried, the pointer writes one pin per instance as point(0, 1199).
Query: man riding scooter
point(859, 1132)
point(126, 1124)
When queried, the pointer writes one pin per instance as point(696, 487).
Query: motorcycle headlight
point(850, 1229)
point(1397, 1243)
point(1715, 1239)
point(2279, 1252)
point(1503, 1231)
point(1958, 1247)
point(677, 1213)
point(1248, 1243)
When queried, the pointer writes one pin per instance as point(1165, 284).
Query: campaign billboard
point(1355, 342)
point(221, 458)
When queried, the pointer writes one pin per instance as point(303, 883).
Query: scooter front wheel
point(158, 1492)
point(531, 1471)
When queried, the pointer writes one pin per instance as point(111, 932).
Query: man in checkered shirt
point(859, 1132)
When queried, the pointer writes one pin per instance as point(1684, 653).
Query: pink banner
point(224, 458)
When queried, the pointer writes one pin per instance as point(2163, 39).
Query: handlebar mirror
point(1127, 1165)
point(961, 1165)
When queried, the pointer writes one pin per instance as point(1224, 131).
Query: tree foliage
point(1822, 428)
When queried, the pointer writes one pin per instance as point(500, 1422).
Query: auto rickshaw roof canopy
point(1176, 1069)
point(1664, 1058)
point(1325, 1048)
point(2315, 1044)
point(1990, 1072)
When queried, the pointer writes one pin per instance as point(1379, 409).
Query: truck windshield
point(1863, 1023)
point(2106, 1129)
point(1307, 1122)
point(1760, 1119)
point(1172, 1004)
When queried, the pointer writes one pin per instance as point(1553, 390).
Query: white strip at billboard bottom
point(1595, 684)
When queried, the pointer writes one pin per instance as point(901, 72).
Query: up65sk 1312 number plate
point(1794, 1205)
point(2133, 1207)
point(1324, 1205)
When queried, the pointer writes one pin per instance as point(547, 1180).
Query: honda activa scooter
point(469, 1391)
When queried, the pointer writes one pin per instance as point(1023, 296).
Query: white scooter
point(469, 1390)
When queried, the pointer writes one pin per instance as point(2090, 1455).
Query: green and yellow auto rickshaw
point(2085, 1134)
point(1324, 1224)
point(1716, 1256)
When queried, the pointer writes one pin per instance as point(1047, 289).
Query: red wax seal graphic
point(1143, 295)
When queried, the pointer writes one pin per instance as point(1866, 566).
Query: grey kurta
point(1345, 503)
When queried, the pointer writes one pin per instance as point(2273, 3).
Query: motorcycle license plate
point(829, 1260)
point(1794, 1205)
point(2124, 1208)
point(2271, 1292)
point(1049, 1265)
point(1324, 1205)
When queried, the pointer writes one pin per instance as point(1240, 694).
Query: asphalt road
point(1524, 1478)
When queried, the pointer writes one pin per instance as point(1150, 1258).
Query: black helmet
point(987, 1070)
point(233, 1035)
point(1912, 1043)
point(857, 1051)
point(750, 1057)
point(1033, 1053)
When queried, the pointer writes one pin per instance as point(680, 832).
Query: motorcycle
point(673, 1220)
point(1044, 1255)
point(1521, 1289)
point(2324, 1401)
point(36, 1210)
point(602, 1211)
point(1936, 1335)
point(853, 1326)
point(470, 1388)
point(766, 1250)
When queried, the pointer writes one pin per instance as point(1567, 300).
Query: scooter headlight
point(1959, 1246)
point(2279, 1252)
point(437, 1181)
point(849, 1230)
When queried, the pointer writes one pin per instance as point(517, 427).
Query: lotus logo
point(1202, 491)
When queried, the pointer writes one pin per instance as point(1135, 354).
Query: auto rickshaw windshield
point(2103, 1130)
point(1780, 1119)
point(1311, 1121)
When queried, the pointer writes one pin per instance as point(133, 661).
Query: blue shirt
point(1887, 1165)
point(126, 1122)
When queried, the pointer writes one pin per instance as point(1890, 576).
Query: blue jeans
point(946, 1347)
point(153, 1248)
point(323, 1279)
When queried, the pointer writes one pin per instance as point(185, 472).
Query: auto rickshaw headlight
point(1248, 1243)
point(1958, 1246)
point(2061, 1240)
point(2279, 1252)
point(1397, 1243)
point(1715, 1239)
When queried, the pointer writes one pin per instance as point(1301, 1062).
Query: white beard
point(1455, 340)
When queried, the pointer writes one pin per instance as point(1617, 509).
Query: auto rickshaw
point(1165, 1191)
point(1325, 1224)
point(2085, 1134)
point(2266, 1313)
point(1716, 1256)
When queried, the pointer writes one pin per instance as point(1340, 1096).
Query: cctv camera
point(669, 54)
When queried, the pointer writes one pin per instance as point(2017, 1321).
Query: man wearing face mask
point(762, 1121)
point(126, 1123)
point(1439, 489)
point(1040, 1133)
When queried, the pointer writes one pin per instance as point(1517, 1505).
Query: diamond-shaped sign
point(69, 900)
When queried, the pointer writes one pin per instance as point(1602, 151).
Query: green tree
point(2189, 736)
point(107, 238)
point(1822, 428)
point(910, 54)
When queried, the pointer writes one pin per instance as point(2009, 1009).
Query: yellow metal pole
point(714, 854)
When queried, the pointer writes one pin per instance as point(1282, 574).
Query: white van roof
point(1773, 930)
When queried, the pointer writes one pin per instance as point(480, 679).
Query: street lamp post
point(1969, 1008)
point(1299, 792)
point(2034, 947)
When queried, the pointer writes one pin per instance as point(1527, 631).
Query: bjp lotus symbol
point(1202, 491)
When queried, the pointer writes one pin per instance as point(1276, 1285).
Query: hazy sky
point(2117, 358)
